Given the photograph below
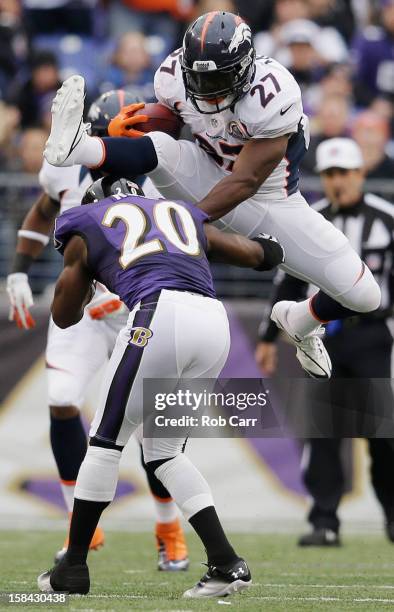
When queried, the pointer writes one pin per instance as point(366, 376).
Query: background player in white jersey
point(251, 134)
point(71, 363)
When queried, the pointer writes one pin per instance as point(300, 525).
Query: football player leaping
point(71, 362)
point(247, 117)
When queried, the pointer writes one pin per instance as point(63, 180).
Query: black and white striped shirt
point(369, 227)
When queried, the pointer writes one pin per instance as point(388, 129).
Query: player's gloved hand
point(122, 124)
point(21, 299)
point(274, 253)
point(104, 305)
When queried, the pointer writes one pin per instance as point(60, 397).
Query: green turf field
point(359, 576)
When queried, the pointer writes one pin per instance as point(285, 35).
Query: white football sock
point(89, 152)
point(166, 511)
point(187, 486)
point(301, 319)
point(98, 475)
point(68, 495)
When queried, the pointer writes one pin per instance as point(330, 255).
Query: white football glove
point(21, 299)
point(105, 304)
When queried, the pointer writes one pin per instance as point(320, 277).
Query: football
point(161, 119)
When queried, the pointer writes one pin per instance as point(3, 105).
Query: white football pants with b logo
point(183, 335)
point(315, 250)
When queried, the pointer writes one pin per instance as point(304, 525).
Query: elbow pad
point(274, 254)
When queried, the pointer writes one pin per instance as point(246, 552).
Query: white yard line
point(268, 598)
point(102, 596)
point(325, 599)
point(377, 575)
point(328, 586)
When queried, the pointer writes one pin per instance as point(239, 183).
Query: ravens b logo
point(140, 336)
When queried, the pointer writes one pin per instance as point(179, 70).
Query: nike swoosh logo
point(74, 144)
point(284, 111)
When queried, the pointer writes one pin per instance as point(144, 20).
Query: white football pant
point(316, 251)
point(75, 355)
point(189, 338)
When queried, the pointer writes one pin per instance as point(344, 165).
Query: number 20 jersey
point(271, 108)
point(137, 246)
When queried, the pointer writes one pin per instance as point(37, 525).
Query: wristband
point(22, 263)
point(268, 333)
point(37, 236)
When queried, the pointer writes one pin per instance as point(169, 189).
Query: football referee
point(359, 347)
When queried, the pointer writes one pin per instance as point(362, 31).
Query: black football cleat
point(73, 579)
point(221, 581)
point(320, 537)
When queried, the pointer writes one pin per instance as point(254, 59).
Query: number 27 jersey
point(137, 246)
point(271, 108)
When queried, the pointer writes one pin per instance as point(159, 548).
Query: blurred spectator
point(270, 42)
point(337, 81)
point(362, 12)
point(13, 42)
point(67, 16)
point(304, 48)
point(31, 95)
point(130, 66)
point(327, 42)
point(9, 123)
point(374, 58)
point(336, 14)
point(30, 150)
point(333, 118)
point(382, 107)
point(331, 121)
point(159, 18)
point(371, 132)
point(259, 14)
point(304, 62)
point(206, 6)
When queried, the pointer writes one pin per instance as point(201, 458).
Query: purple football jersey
point(137, 246)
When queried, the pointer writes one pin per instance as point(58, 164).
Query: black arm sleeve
point(129, 157)
point(285, 288)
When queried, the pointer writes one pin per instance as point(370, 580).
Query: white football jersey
point(272, 108)
point(68, 184)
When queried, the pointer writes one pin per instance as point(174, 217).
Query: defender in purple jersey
point(165, 246)
point(153, 254)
